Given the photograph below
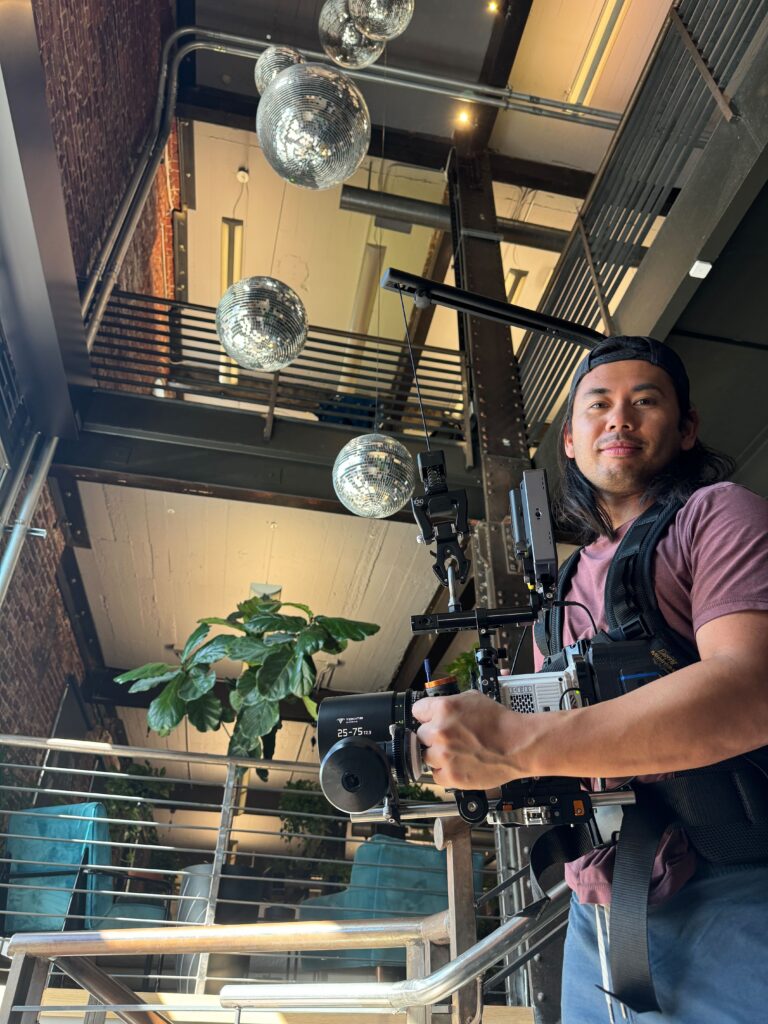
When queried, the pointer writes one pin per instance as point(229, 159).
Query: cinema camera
point(367, 742)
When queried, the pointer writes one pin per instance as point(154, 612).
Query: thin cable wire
point(413, 367)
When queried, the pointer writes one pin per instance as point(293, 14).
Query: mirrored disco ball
point(313, 126)
point(374, 476)
point(261, 323)
point(272, 61)
point(342, 41)
point(381, 19)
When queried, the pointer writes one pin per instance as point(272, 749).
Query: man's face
point(626, 426)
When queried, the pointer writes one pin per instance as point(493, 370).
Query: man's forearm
point(702, 714)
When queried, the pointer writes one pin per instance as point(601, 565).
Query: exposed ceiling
point(158, 561)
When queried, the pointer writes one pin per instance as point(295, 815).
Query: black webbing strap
point(548, 630)
point(552, 850)
point(641, 832)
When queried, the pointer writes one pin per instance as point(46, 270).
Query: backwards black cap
point(621, 347)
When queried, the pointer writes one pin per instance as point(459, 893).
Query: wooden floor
point(201, 1010)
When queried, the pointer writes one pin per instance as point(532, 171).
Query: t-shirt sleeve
point(725, 533)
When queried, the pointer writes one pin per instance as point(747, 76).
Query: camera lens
point(354, 775)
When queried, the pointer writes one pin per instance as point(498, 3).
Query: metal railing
point(660, 137)
point(109, 838)
point(171, 350)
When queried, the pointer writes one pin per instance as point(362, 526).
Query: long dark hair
point(576, 506)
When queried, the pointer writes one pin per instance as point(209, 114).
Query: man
point(630, 439)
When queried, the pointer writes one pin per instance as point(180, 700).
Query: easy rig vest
point(722, 807)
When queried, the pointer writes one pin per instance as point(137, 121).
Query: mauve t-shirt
point(712, 561)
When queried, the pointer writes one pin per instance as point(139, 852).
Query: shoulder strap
point(548, 630)
point(631, 608)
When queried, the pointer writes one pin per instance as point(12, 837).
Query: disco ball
point(261, 323)
point(373, 476)
point(342, 41)
point(381, 19)
point(313, 126)
point(272, 61)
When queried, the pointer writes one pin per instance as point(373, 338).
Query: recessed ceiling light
point(493, 7)
point(463, 117)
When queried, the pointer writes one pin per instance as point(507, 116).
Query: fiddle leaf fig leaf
point(241, 745)
point(247, 688)
point(255, 606)
point(205, 712)
point(199, 634)
point(166, 710)
point(216, 649)
point(302, 607)
point(215, 621)
point(334, 646)
point(311, 706)
point(347, 629)
point(271, 622)
point(275, 675)
point(258, 719)
point(250, 649)
point(311, 640)
point(303, 676)
point(150, 675)
point(197, 681)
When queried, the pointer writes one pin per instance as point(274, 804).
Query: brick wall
point(101, 62)
point(37, 648)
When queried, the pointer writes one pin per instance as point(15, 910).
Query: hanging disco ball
point(272, 61)
point(381, 19)
point(313, 126)
point(344, 43)
point(261, 323)
point(373, 476)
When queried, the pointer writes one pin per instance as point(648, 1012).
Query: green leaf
point(279, 638)
point(228, 713)
point(205, 713)
point(311, 639)
point(255, 606)
point(334, 646)
point(198, 681)
point(215, 621)
point(271, 622)
point(166, 710)
point(275, 675)
point(258, 719)
point(216, 649)
point(199, 634)
point(347, 629)
point(292, 604)
point(150, 684)
point(248, 648)
point(303, 676)
point(247, 688)
point(157, 671)
point(311, 706)
point(244, 746)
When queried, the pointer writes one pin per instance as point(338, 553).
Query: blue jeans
point(708, 950)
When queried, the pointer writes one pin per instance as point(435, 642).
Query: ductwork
point(435, 215)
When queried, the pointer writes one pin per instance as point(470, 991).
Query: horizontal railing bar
point(299, 935)
point(74, 869)
point(114, 869)
point(152, 754)
point(121, 846)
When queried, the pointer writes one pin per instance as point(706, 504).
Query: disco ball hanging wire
point(381, 19)
point(342, 40)
point(313, 126)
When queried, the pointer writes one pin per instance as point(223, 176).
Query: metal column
point(501, 452)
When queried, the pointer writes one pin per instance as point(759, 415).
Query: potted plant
point(277, 653)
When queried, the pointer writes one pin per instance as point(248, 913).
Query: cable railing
point(171, 350)
point(661, 136)
point(105, 839)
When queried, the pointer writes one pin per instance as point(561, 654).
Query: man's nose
point(622, 416)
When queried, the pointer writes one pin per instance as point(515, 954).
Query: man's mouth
point(620, 449)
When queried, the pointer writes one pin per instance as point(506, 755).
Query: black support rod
point(432, 293)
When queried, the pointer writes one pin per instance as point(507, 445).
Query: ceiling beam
point(234, 110)
point(508, 28)
point(161, 444)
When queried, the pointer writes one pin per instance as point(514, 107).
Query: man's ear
point(568, 440)
point(689, 430)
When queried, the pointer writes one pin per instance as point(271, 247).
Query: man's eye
point(645, 401)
